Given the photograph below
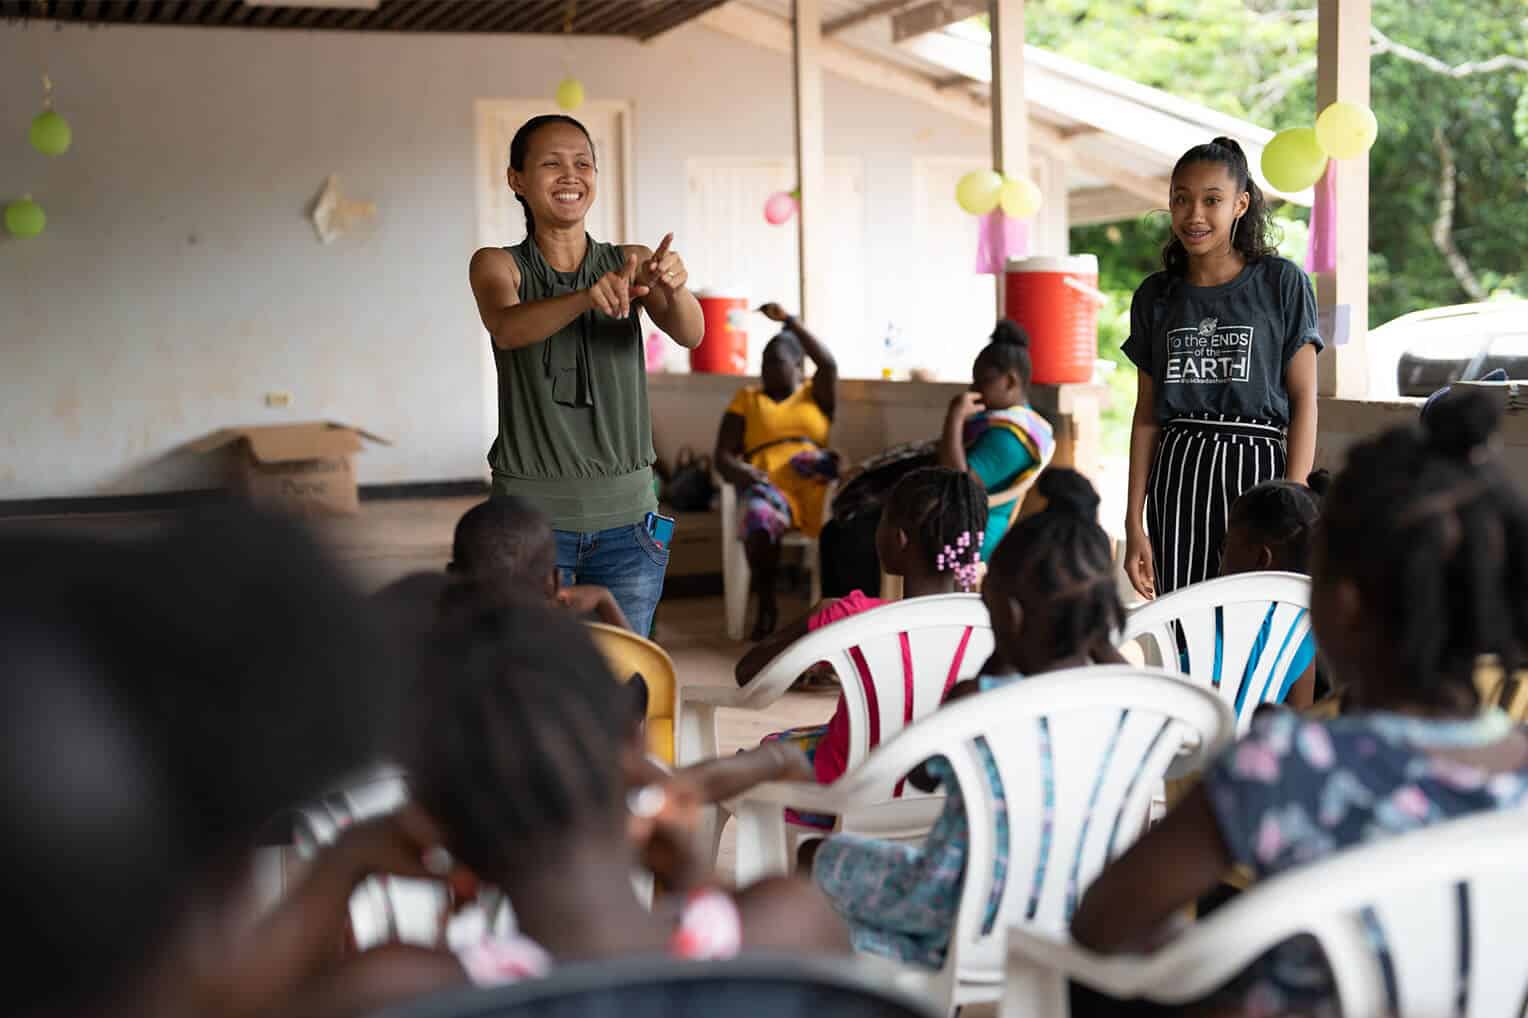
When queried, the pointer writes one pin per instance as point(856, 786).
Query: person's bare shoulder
point(491, 265)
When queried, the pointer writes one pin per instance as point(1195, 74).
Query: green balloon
point(50, 133)
point(1294, 160)
point(25, 218)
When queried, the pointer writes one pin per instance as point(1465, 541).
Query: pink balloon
point(779, 208)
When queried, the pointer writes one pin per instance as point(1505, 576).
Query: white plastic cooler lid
point(1083, 264)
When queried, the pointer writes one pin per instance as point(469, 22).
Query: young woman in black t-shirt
point(1225, 339)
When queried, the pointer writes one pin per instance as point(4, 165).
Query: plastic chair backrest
point(627, 653)
point(750, 987)
point(1079, 755)
point(381, 909)
point(1240, 635)
point(948, 637)
point(1424, 923)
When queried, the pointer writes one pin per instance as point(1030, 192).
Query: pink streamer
point(998, 238)
point(1321, 250)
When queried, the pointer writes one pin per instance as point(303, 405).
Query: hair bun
point(1230, 144)
point(1011, 334)
point(1067, 491)
point(1461, 422)
point(1319, 482)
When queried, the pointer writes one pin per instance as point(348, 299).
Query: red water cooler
point(1055, 299)
point(724, 350)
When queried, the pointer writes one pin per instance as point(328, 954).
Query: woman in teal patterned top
point(575, 433)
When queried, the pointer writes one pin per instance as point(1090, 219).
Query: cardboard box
point(300, 468)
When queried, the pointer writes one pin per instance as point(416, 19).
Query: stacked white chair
point(1448, 904)
point(1104, 737)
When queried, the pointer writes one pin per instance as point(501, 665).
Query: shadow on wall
point(178, 469)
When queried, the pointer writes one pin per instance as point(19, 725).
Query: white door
point(729, 246)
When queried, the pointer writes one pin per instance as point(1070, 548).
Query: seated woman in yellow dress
point(773, 447)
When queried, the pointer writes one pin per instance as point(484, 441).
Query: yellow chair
point(627, 653)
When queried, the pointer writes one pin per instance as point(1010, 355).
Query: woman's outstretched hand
point(613, 293)
point(664, 271)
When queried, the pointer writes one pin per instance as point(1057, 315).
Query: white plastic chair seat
point(945, 633)
point(737, 577)
point(1449, 900)
point(1105, 736)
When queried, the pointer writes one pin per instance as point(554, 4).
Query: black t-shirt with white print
point(1223, 349)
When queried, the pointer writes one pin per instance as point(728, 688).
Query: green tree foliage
point(1256, 59)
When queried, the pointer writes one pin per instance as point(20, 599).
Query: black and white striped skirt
point(1202, 466)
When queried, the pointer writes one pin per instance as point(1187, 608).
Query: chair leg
point(814, 562)
point(736, 580)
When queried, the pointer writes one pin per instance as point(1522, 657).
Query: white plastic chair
point(943, 632)
point(1234, 608)
point(1104, 735)
point(382, 909)
point(1449, 902)
point(736, 576)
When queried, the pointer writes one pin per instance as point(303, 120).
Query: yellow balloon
point(1021, 197)
point(979, 191)
point(1293, 160)
point(1346, 129)
point(570, 94)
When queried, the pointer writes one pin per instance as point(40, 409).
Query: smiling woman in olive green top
point(575, 434)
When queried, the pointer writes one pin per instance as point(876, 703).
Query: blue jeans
point(625, 560)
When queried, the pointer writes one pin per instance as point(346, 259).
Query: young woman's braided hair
point(1283, 515)
point(943, 512)
point(518, 733)
point(1064, 553)
point(1427, 525)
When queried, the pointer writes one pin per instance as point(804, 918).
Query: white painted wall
point(179, 279)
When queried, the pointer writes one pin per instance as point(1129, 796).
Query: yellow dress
point(772, 434)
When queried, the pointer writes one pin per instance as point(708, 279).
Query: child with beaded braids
point(1050, 589)
point(930, 534)
point(1419, 576)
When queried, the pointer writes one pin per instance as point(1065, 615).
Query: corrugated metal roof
point(639, 19)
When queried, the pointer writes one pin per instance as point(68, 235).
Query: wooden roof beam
point(864, 14)
point(933, 17)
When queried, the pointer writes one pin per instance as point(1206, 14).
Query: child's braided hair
point(518, 734)
point(943, 512)
point(1282, 515)
point(1425, 522)
point(1064, 553)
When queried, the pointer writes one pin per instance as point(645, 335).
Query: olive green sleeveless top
point(575, 435)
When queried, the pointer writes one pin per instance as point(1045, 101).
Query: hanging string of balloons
point(51, 135)
point(982, 191)
point(1297, 157)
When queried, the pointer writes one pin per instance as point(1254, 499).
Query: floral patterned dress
point(1296, 790)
